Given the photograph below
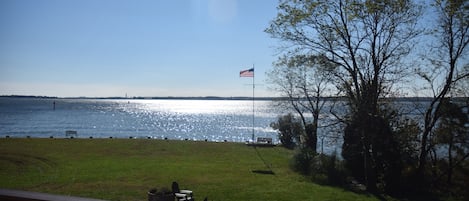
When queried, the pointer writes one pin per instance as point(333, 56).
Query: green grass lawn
point(125, 169)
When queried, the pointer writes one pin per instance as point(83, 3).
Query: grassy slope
point(122, 169)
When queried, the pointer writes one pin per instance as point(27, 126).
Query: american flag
point(247, 73)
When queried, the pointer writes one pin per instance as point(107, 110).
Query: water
point(213, 120)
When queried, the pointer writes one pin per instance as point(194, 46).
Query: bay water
point(174, 119)
point(212, 120)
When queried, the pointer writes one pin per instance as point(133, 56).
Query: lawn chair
point(181, 195)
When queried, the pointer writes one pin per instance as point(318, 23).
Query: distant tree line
point(369, 52)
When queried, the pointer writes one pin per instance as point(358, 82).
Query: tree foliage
point(366, 45)
point(452, 134)
point(303, 80)
point(367, 41)
point(452, 36)
point(289, 130)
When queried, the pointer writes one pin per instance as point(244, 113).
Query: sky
point(102, 48)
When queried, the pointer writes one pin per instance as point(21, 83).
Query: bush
point(303, 160)
point(335, 170)
point(289, 128)
point(322, 168)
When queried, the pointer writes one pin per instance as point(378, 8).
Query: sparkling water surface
point(213, 120)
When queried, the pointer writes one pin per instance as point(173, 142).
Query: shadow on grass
point(404, 195)
point(263, 172)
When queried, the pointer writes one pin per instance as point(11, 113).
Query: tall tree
point(304, 80)
point(452, 34)
point(367, 40)
point(452, 133)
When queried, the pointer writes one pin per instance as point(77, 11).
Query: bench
point(71, 133)
point(264, 140)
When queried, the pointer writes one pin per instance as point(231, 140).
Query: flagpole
point(250, 73)
point(253, 86)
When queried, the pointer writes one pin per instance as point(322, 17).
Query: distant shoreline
point(413, 99)
point(149, 98)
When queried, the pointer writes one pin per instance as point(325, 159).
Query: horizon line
point(203, 97)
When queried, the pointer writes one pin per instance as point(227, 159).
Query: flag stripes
point(247, 73)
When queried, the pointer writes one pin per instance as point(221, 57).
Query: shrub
point(335, 170)
point(322, 168)
point(303, 160)
point(289, 130)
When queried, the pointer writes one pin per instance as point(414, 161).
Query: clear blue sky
point(143, 48)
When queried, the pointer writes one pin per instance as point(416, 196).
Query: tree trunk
point(311, 135)
point(450, 160)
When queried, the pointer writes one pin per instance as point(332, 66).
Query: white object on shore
point(71, 133)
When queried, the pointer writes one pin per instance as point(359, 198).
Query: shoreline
point(130, 138)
